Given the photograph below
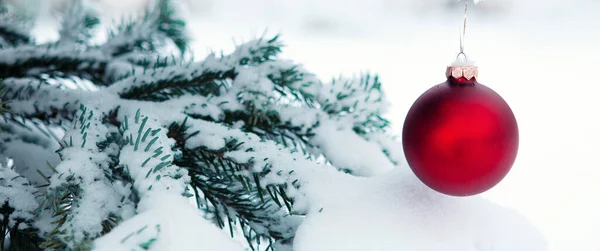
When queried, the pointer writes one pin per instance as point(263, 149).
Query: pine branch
point(17, 209)
point(204, 78)
point(12, 29)
point(159, 24)
point(267, 123)
point(177, 83)
point(162, 186)
point(258, 51)
point(360, 100)
point(357, 102)
point(29, 131)
point(77, 24)
point(261, 117)
point(19, 236)
point(80, 196)
point(53, 104)
point(12, 37)
point(261, 212)
point(255, 100)
point(350, 108)
point(3, 108)
point(171, 26)
point(62, 61)
point(259, 122)
point(91, 62)
point(153, 60)
point(60, 202)
point(233, 204)
point(154, 157)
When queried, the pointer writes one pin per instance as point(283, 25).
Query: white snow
point(395, 211)
point(169, 223)
point(165, 219)
point(84, 165)
point(204, 106)
point(12, 21)
point(72, 23)
point(389, 144)
point(19, 194)
point(149, 158)
point(349, 151)
point(16, 55)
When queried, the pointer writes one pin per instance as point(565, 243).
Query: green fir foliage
point(128, 97)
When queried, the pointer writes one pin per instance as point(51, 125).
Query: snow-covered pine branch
point(18, 207)
point(61, 61)
point(160, 188)
point(80, 195)
point(231, 85)
point(14, 30)
point(77, 24)
point(159, 25)
point(243, 134)
point(100, 64)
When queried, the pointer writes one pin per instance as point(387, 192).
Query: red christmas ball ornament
point(460, 137)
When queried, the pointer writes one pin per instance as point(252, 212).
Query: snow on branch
point(255, 207)
point(233, 191)
point(204, 78)
point(82, 198)
point(18, 194)
point(329, 114)
point(17, 210)
point(161, 187)
point(360, 101)
point(14, 30)
point(169, 223)
point(35, 99)
point(255, 52)
point(77, 24)
point(164, 84)
point(148, 156)
point(145, 36)
point(354, 109)
point(32, 96)
point(31, 60)
point(241, 132)
point(355, 106)
point(158, 25)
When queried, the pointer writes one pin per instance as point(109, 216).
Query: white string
point(464, 32)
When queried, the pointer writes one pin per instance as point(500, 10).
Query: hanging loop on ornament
point(464, 56)
point(464, 29)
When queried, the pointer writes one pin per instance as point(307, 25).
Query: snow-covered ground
point(540, 55)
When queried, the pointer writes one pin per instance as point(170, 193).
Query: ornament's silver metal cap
point(466, 71)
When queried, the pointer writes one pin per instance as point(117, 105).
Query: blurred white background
point(540, 55)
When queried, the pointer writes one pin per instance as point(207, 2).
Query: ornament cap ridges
point(458, 71)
